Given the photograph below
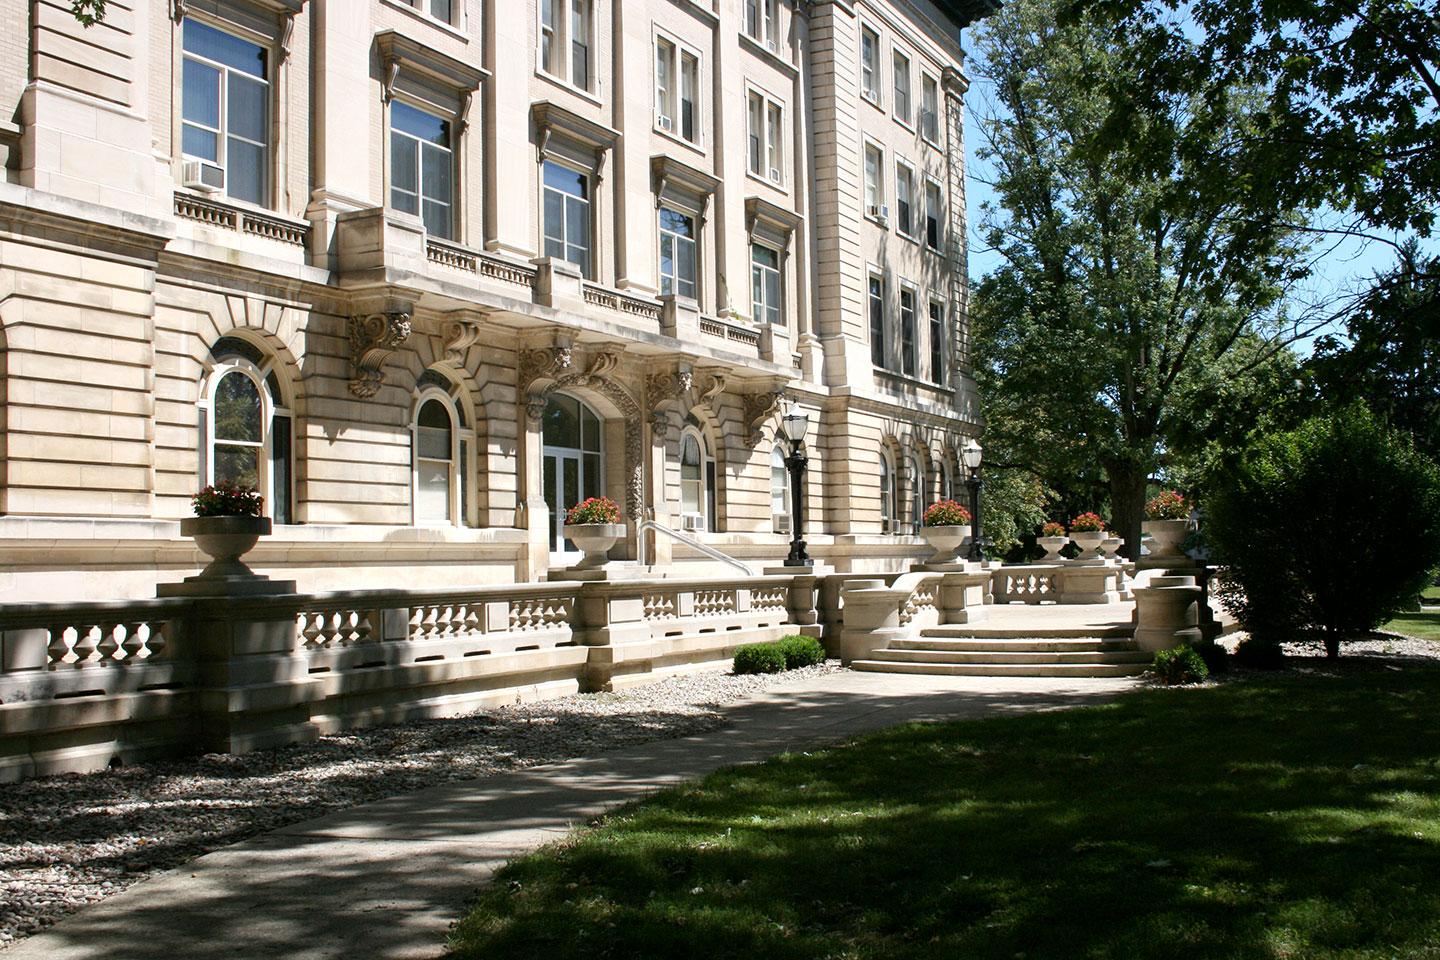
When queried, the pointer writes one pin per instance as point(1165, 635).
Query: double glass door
point(573, 467)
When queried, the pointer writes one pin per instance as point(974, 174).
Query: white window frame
point(916, 474)
point(452, 506)
point(222, 134)
point(425, 9)
point(938, 346)
point(588, 268)
point(889, 492)
point(764, 29)
point(702, 490)
point(780, 520)
point(675, 260)
point(879, 348)
point(761, 308)
point(873, 200)
point(871, 89)
point(771, 136)
point(670, 101)
point(448, 117)
point(912, 233)
point(925, 132)
point(561, 44)
point(909, 345)
point(258, 375)
point(906, 119)
point(939, 216)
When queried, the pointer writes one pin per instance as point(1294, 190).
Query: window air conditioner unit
point(692, 523)
point(665, 123)
point(202, 176)
point(775, 174)
point(879, 211)
point(782, 523)
point(770, 44)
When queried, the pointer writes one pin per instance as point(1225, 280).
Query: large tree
point(1142, 277)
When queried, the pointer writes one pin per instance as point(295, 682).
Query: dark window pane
point(247, 111)
point(441, 10)
point(594, 476)
point(552, 501)
point(238, 465)
point(404, 164)
point(589, 429)
point(564, 179)
point(418, 123)
point(437, 174)
point(577, 233)
point(245, 173)
point(200, 143)
point(201, 94)
point(562, 423)
point(280, 506)
point(554, 224)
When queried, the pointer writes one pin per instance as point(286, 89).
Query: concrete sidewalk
point(387, 879)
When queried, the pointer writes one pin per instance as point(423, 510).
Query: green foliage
point(801, 651)
point(759, 658)
point(1259, 654)
point(1013, 503)
point(1142, 277)
point(1179, 665)
point(1330, 529)
point(88, 12)
point(1215, 657)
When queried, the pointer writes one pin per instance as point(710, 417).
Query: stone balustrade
point(878, 611)
point(1066, 582)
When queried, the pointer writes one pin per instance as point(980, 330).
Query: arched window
point(779, 491)
point(947, 477)
point(916, 479)
point(244, 426)
point(889, 495)
point(697, 481)
point(436, 459)
point(573, 455)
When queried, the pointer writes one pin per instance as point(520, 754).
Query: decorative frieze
point(373, 337)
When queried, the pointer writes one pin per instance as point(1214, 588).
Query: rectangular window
point(225, 112)
point(877, 321)
point(870, 64)
point(580, 43)
point(937, 342)
point(766, 136)
point(907, 332)
point(677, 90)
point(904, 199)
point(677, 254)
point(929, 108)
point(439, 9)
point(567, 215)
point(765, 284)
point(422, 167)
point(902, 86)
point(771, 25)
point(874, 182)
point(752, 20)
point(934, 214)
point(549, 37)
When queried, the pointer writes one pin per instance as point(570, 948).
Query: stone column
point(1167, 613)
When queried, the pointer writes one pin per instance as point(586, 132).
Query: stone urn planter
point(1052, 547)
point(1166, 537)
point(1089, 542)
point(1110, 546)
point(945, 540)
point(595, 539)
point(225, 540)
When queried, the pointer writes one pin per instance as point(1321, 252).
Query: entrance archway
point(573, 465)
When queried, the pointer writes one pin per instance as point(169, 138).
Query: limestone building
point(429, 271)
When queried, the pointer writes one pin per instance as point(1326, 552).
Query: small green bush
point(759, 658)
point(801, 651)
point(1215, 657)
point(1180, 665)
point(1259, 654)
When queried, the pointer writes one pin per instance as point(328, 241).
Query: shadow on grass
point(1282, 816)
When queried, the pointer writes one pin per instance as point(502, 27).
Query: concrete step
point(1027, 658)
point(982, 630)
point(1003, 669)
point(1006, 645)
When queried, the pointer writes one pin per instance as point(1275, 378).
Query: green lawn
point(1283, 816)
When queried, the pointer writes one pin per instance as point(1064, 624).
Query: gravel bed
point(66, 841)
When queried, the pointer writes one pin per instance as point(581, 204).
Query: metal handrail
point(709, 551)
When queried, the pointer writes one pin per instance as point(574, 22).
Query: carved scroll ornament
point(373, 337)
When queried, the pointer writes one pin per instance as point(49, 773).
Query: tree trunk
point(1332, 643)
point(1128, 481)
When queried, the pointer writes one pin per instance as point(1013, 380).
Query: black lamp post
point(971, 455)
point(793, 425)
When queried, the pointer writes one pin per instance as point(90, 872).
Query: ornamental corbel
point(759, 408)
point(287, 36)
point(373, 337)
point(460, 336)
point(387, 84)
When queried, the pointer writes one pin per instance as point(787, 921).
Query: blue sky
point(1340, 264)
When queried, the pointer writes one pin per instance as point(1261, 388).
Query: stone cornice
point(81, 222)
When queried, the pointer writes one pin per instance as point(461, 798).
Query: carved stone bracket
point(373, 337)
point(460, 336)
point(759, 408)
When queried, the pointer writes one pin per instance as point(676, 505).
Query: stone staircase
point(985, 650)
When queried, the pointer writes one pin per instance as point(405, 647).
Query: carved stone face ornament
point(373, 337)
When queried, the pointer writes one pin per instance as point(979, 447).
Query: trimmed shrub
point(1217, 660)
point(1259, 654)
point(759, 658)
point(1180, 665)
point(801, 651)
point(1326, 531)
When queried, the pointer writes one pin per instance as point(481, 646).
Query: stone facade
point(136, 293)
